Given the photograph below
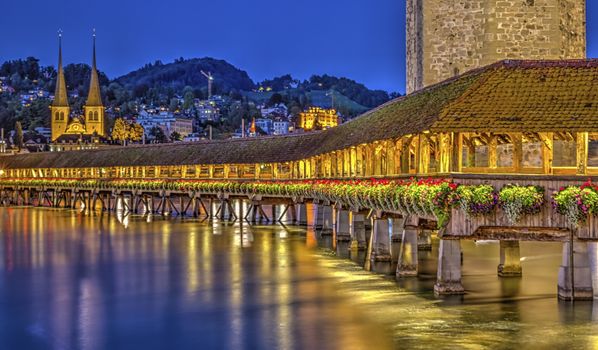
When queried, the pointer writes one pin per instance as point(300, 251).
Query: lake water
point(74, 281)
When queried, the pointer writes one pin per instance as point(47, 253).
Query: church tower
point(448, 37)
point(59, 110)
point(94, 110)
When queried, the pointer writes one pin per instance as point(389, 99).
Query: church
point(89, 125)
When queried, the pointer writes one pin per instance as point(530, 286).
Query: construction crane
point(210, 78)
point(331, 94)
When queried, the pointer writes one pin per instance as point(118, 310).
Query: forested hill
point(181, 73)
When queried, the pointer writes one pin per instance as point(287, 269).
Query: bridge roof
point(508, 96)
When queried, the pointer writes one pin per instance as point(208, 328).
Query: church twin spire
point(60, 95)
point(94, 98)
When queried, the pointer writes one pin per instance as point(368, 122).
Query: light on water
point(74, 281)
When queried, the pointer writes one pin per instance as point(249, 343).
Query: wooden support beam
point(445, 153)
point(517, 140)
point(581, 140)
point(492, 152)
point(547, 151)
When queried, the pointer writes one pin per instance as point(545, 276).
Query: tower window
point(61, 115)
point(56, 116)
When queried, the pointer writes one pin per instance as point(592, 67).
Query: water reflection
point(68, 280)
point(71, 281)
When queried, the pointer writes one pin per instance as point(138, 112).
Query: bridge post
point(580, 271)
point(357, 231)
point(424, 239)
point(380, 257)
point(407, 261)
point(448, 277)
point(510, 259)
point(343, 231)
point(324, 218)
point(301, 214)
point(396, 238)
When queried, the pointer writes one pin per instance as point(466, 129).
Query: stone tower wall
point(449, 37)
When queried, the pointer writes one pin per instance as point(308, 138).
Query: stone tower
point(59, 110)
point(94, 109)
point(449, 37)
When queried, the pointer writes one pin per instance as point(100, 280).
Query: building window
point(593, 150)
point(564, 152)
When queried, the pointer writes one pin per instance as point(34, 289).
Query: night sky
point(360, 39)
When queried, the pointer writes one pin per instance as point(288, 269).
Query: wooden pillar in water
point(343, 225)
point(407, 261)
point(357, 231)
point(448, 277)
point(575, 277)
point(510, 259)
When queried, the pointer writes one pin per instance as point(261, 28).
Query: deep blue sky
point(360, 39)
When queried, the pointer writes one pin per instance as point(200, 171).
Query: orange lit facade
point(325, 118)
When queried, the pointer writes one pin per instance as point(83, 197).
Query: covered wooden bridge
point(526, 122)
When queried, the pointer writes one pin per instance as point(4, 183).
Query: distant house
point(279, 110)
point(167, 121)
point(208, 111)
point(45, 132)
point(265, 124)
point(280, 127)
point(193, 137)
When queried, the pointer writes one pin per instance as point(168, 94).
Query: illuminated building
point(318, 118)
point(91, 123)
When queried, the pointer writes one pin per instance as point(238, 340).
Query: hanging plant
point(576, 203)
point(516, 201)
point(475, 200)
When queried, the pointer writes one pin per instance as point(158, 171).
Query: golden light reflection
point(206, 265)
point(284, 297)
point(236, 293)
point(192, 270)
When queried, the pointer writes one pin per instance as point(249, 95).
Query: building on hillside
point(165, 120)
point(45, 132)
point(316, 118)
point(279, 110)
point(193, 137)
point(208, 111)
point(265, 125)
point(446, 38)
point(280, 127)
point(91, 122)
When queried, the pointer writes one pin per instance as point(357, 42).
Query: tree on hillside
point(175, 136)
point(275, 99)
point(18, 135)
point(158, 135)
point(136, 132)
point(124, 131)
point(188, 97)
point(174, 105)
point(119, 131)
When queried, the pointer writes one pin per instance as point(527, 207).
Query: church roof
point(507, 96)
point(60, 94)
point(94, 98)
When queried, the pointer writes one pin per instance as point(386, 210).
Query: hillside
point(175, 76)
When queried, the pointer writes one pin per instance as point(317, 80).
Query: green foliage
point(475, 199)
point(158, 135)
point(517, 200)
point(18, 135)
point(576, 203)
point(182, 73)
